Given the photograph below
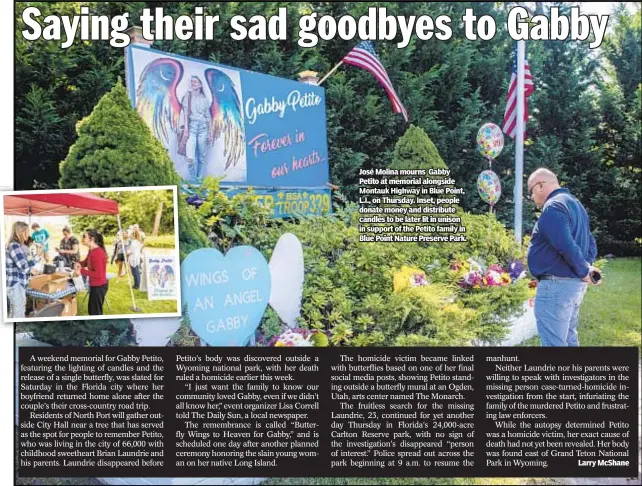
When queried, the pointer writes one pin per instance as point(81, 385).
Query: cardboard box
point(71, 306)
point(49, 283)
point(38, 281)
point(55, 285)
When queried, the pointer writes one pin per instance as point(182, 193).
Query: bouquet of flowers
point(299, 338)
point(516, 270)
point(474, 275)
point(471, 273)
point(496, 277)
point(418, 279)
point(290, 338)
point(409, 277)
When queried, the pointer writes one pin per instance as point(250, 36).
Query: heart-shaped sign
point(155, 331)
point(226, 296)
point(286, 271)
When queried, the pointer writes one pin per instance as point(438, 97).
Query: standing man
point(40, 237)
point(560, 256)
point(69, 248)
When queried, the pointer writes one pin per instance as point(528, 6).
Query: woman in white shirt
point(134, 254)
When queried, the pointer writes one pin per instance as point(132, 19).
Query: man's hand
point(592, 269)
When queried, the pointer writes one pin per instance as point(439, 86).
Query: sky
point(601, 7)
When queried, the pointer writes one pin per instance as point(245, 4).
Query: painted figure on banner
point(197, 115)
point(194, 136)
point(167, 277)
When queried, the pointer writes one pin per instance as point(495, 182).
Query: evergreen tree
point(415, 150)
point(72, 79)
point(115, 148)
point(619, 133)
point(38, 142)
point(622, 49)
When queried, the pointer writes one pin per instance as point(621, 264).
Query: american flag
point(510, 115)
point(364, 56)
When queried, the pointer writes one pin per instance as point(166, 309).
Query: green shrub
point(185, 337)
point(115, 149)
point(135, 207)
point(348, 286)
point(108, 332)
point(415, 150)
point(190, 235)
point(231, 221)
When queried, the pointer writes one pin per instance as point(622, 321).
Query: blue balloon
point(226, 296)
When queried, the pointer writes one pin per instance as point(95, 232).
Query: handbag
point(184, 135)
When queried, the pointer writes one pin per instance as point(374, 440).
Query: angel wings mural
point(196, 120)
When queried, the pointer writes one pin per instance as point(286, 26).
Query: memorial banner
point(250, 128)
point(161, 277)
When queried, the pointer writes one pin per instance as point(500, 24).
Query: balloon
point(490, 140)
point(489, 187)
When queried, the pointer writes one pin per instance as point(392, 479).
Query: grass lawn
point(398, 481)
point(119, 300)
point(57, 481)
point(611, 313)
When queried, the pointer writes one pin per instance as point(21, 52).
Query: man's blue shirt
point(561, 243)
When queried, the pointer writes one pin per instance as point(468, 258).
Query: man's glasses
point(530, 191)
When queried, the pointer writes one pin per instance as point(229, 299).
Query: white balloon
point(155, 331)
point(286, 271)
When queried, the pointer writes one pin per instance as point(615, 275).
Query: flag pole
point(330, 73)
point(519, 142)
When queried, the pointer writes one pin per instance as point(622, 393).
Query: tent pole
point(129, 280)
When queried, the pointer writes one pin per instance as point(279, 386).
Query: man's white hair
point(543, 174)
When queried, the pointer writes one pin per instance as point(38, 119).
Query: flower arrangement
point(496, 277)
point(474, 275)
point(418, 279)
point(516, 270)
point(409, 277)
point(299, 338)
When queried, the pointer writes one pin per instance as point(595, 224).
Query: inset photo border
point(85, 254)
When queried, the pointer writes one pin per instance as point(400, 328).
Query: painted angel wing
point(227, 115)
point(286, 274)
point(156, 99)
